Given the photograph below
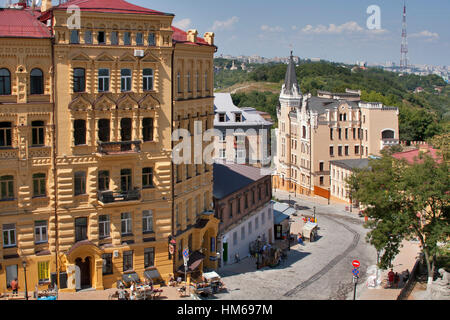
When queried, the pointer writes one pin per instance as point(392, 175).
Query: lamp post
point(24, 264)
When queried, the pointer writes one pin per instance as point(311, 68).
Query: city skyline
point(324, 29)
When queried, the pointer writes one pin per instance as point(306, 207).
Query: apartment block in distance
point(89, 195)
point(314, 130)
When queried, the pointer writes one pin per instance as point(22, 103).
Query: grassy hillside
point(421, 115)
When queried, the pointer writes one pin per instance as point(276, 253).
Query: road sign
point(355, 272)
point(186, 252)
point(356, 263)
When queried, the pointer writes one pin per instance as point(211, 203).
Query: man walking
point(15, 286)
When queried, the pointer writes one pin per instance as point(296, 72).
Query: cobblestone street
point(318, 270)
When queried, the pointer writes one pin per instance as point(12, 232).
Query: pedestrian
point(122, 293)
point(14, 286)
point(391, 275)
point(396, 280)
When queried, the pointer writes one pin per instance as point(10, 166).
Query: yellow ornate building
point(98, 198)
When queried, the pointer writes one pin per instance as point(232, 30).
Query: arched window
point(387, 134)
point(36, 82)
point(5, 82)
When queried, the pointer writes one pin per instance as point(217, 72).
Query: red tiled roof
point(181, 36)
point(110, 6)
point(413, 155)
point(21, 23)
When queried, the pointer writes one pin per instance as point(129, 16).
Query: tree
point(404, 201)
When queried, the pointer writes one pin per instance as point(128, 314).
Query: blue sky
point(329, 29)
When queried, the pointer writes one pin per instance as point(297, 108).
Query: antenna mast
point(404, 46)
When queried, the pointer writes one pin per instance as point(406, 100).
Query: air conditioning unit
point(138, 53)
point(116, 253)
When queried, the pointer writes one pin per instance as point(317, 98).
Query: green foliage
point(393, 193)
point(421, 115)
point(262, 101)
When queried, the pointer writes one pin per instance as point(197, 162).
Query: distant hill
point(422, 115)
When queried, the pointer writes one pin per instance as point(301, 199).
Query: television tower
point(404, 47)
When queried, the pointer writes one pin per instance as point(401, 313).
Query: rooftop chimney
point(46, 5)
point(192, 35)
point(209, 37)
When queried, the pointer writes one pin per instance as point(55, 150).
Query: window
point(103, 180)
point(127, 38)
point(80, 183)
point(234, 238)
point(177, 215)
point(103, 80)
point(212, 244)
point(11, 274)
point(125, 180)
point(356, 149)
point(304, 132)
point(339, 150)
point(321, 166)
point(40, 231)
point(125, 129)
point(7, 188)
point(5, 134)
point(331, 151)
point(37, 132)
point(188, 205)
point(250, 228)
point(36, 82)
point(188, 79)
point(147, 129)
point(151, 39)
point(88, 37)
point(346, 150)
point(331, 133)
point(197, 81)
point(179, 82)
point(206, 80)
point(79, 132)
point(74, 36)
point(104, 226)
point(238, 205)
point(147, 177)
point(147, 221)
point(354, 133)
point(5, 82)
point(147, 79)
point(80, 229)
point(340, 133)
point(103, 130)
point(101, 37)
point(256, 223)
point(9, 235)
point(321, 180)
point(125, 80)
point(39, 183)
point(79, 80)
point(367, 136)
point(222, 153)
point(263, 219)
point(127, 260)
point(125, 219)
point(139, 39)
point(237, 117)
point(107, 263)
point(149, 257)
point(221, 117)
point(43, 271)
point(180, 250)
point(346, 133)
point(114, 38)
point(231, 209)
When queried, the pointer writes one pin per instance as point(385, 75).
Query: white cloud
point(348, 27)
point(224, 25)
point(427, 35)
point(183, 23)
point(271, 29)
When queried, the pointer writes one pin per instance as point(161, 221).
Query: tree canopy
point(404, 201)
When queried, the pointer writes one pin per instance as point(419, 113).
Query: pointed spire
point(290, 80)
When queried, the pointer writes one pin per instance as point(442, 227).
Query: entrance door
point(225, 252)
point(85, 272)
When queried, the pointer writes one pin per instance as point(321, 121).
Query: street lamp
point(24, 264)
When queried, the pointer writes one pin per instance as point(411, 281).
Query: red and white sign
point(356, 263)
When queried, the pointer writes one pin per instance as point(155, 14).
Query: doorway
point(85, 272)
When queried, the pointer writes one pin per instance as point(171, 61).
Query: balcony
point(109, 196)
point(388, 142)
point(120, 147)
